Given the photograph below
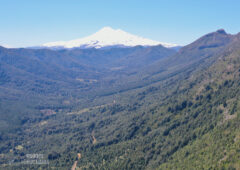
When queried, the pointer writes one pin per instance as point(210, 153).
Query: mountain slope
point(107, 37)
point(43, 77)
point(218, 149)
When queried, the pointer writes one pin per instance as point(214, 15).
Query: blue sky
point(34, 22)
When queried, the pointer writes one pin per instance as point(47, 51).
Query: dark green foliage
point(53, 156)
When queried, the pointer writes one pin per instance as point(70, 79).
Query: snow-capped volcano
point(107, 37)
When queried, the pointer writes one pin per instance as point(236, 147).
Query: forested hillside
point(141, 108)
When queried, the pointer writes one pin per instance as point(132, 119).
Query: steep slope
point(107, 37)
point(219, 148)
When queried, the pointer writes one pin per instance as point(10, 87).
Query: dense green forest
point(129, 108)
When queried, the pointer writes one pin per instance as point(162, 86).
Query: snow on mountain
point(107, 37)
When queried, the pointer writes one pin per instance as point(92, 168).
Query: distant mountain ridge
point(107, 37)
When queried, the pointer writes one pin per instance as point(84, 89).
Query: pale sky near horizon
point(30, 23)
